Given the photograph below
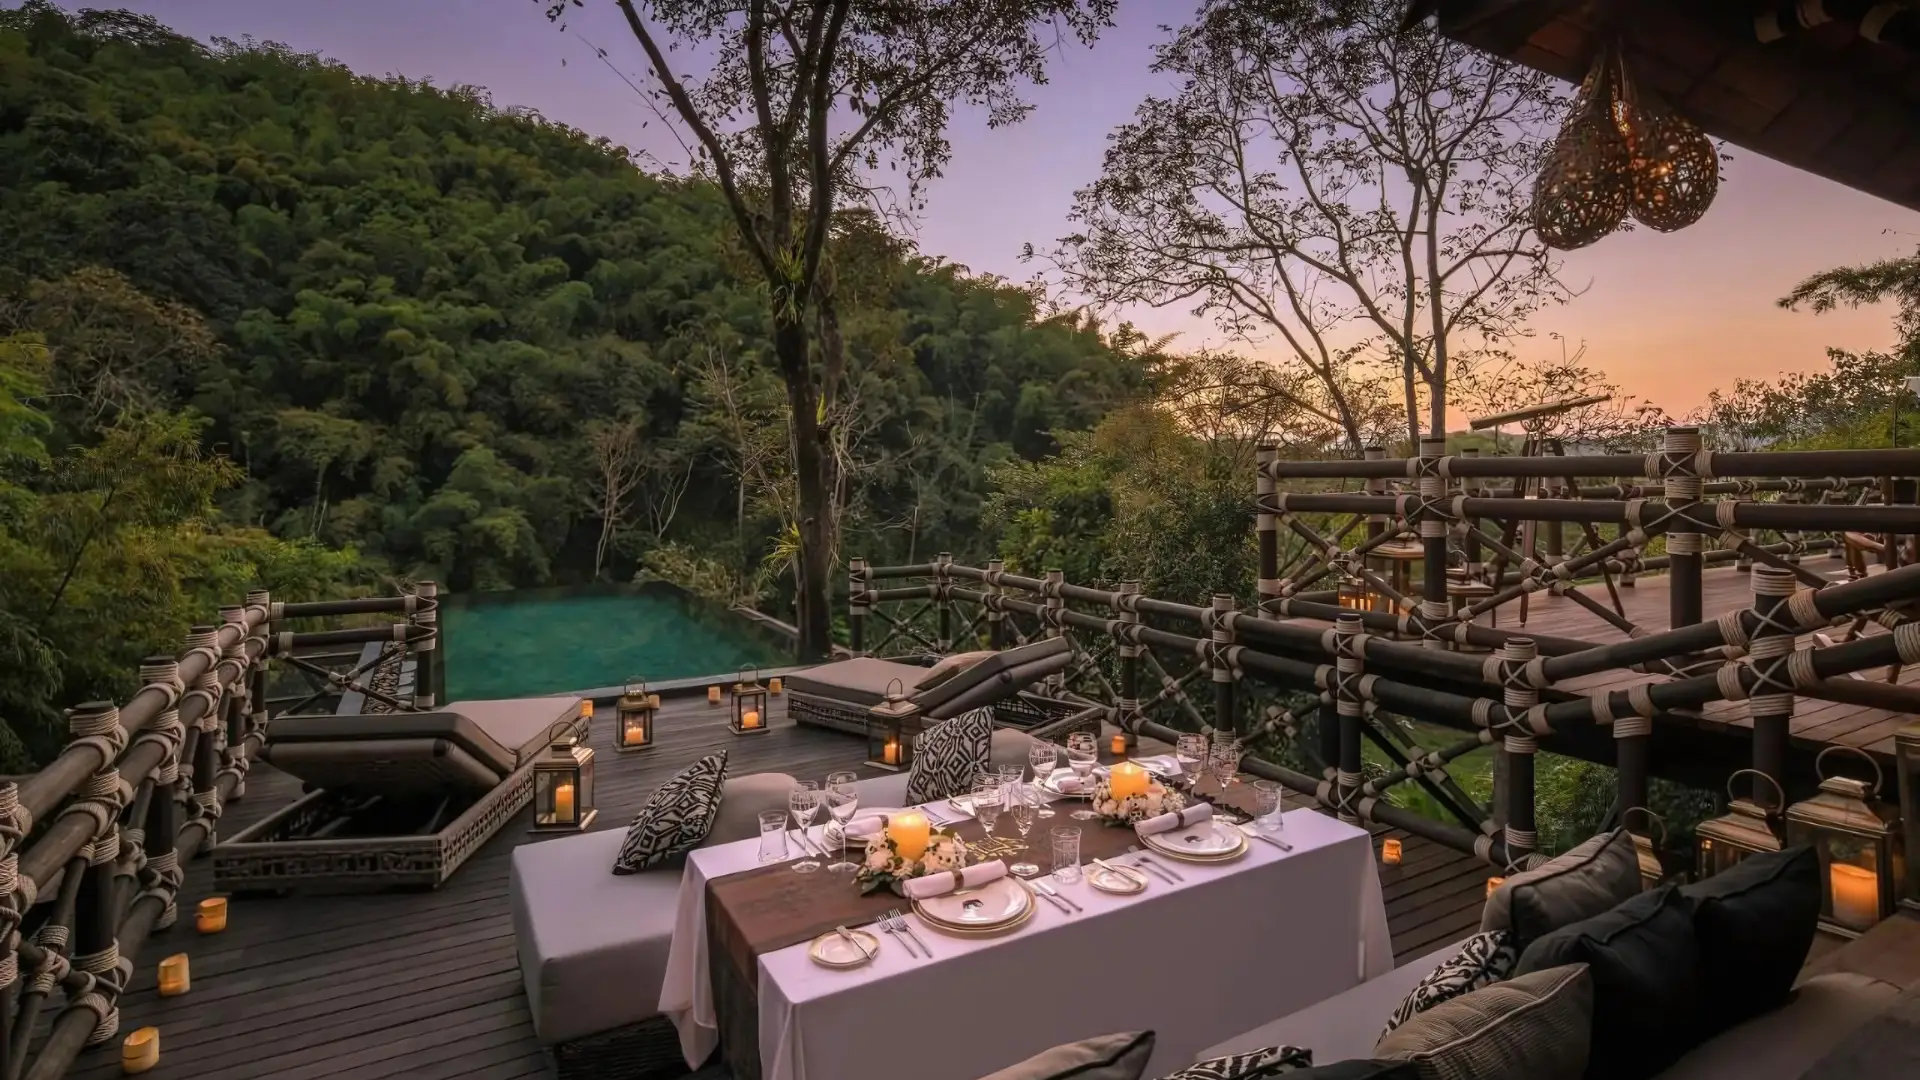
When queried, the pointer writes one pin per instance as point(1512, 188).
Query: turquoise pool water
point(547, 641)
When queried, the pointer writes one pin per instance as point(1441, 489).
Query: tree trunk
point(811, 467)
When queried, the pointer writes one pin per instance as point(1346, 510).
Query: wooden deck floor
point(425, 985)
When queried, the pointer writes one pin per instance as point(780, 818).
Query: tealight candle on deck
point(713, 695)
point(909, 833)
point(141, 1051)
point(211, 916)
point(774, 684)
point(751, 719)
point(1390, 851)
point(1119, 744)
point(1126, 780)
point(175, 978)
point(1493, 885)
point(653, 701)
point(586, 709)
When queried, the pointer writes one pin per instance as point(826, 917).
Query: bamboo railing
point(93, 847)
point(1423, 652)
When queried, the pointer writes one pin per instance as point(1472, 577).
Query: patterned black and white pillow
point(1483, 960)
point(1269, 1061)
point(947, 757)
point(676, 817)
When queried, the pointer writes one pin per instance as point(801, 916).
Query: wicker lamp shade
point(1675, 169)
point(1586, 189)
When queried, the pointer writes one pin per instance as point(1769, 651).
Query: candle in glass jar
point(1856, 896)
point(653, 700)
point(1493, 883)
point(1390, 851)
point(141, 1051)
point(563, 801)
point(175, 977)
point(751, 719)
point(909, 833)
point(1119, 744)
point(713, 695)
point(586, 710)
point(211, 916)
point(774, 684)
point(1126, 780)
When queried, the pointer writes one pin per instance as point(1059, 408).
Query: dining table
point(1204, 952)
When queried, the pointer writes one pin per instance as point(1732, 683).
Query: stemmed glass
point(804, 802)
point(1026, 803)
point(842, 800)
point(986, 802)
point(1082, 754)
point(1191, 752)
point(1042, 757)
point(1225, 762)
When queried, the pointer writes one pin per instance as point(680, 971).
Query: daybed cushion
point(1584, 882)
point(1533, 1027)
point(501, 734)
point(1755, 922)
point(1103, 1057)
point(1644, 966)
point(1010, 747)
point(949, 667)
point(390, 766)
point(676, 818)
point(996, 677)
point(1785, 1043)
point(742, 799)
point(580, 930)
point(862, 680)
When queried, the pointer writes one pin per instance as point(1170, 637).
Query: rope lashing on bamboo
point(54, 968)
point(1521, 698)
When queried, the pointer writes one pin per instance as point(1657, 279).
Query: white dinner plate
point(1051, 785)
point(1207, 840)
point(997, 903)
point(832, 950)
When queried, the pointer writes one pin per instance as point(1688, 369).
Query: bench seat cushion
point(1783, 1044)
point(860, 681)
point(593, 945)
point(390, 766)
point(500, 736)
point(1345, 1026)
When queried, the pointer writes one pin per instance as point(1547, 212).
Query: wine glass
point(804, 802)
point(842, 800)
point(1225, 762)
point(1191, 752)
point(1025, 804)
point(1082, 754)
point(986, 802)
point(1042, 756)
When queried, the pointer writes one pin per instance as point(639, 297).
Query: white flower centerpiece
point(1157, 799)
point(885, 867)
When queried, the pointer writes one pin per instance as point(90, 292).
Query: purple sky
point(1670, 317)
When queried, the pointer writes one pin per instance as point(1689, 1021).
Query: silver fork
point(906, 928)
point(886, 926)
point(1140, 858)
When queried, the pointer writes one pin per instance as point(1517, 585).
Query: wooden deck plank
point(427, 985)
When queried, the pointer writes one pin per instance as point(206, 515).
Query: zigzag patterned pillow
point(1483, 960)
point(1269, 1061)
point(676, 817)
point(947, 756)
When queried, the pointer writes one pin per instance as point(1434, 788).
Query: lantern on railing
point(1745, 829)
point(1906, 757)
point(1857, 840)
point(1647, 849)
point(749, 703)
point(1354, 595)
point(636, 711)
point(891, 726)
point(563, 788)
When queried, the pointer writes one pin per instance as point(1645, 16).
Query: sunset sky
point(1670, 317)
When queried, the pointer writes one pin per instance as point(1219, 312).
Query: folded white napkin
point(1164, 764)
point(868, 825)
point(1192, 815)
point(947, 881)
point(1065, 780)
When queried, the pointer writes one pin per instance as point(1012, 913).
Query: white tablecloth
point(1230, 948)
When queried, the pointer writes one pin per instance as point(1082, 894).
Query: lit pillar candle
point(713, 695)
point(563, 802)
point(909, 833)
point(1856, 896)
point(141, 1051)
point(751, 719)
point(211, 916)
point(175, 977)
point(1126, 780)
point(890, 754)
point(1390, 851)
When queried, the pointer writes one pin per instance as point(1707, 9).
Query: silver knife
point(853, 941)
point(1248, 830)
point(1048, 897)
point(1056, 894)
point(1125, 871)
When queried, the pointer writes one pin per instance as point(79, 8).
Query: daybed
point(394, 799)
point(579, 928)
point(839, 695)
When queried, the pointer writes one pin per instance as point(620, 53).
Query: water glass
point(1042, 757)
point(1266, 806)
point(1082, 755)
point(773, 836)
point(842, 799)
point(1009, 776)
point(987, 796)
point(1191, 752)
point(1025, 804)
point(1066, 854)
point(1225, 762)
point(804, 802)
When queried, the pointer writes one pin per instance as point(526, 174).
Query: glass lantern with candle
point(563, 788)
point(1906, 756)
point(1747, 828)
point(749, 704)
point(1862, 860)
point(1354, 595)
point(891, 729)
point(636, 717)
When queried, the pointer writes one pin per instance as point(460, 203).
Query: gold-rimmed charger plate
point(997, 905)
point(976, 931)
point(1114, 881)
point(1164, 844)
point(833, 951)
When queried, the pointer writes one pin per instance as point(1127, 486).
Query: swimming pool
point(548, 641)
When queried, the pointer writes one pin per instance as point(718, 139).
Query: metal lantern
point(563, 788)
point(636, 709)
point(1354, 595)
point(891, 727)
point(1746, 829)
point(1906, 749)
point(749, 703)
point(1857, 839)
point(1647, 849)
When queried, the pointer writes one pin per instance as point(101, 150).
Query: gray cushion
point(1783, 1044)
point(580, 930)
point(1009, 747)
point(524, 725)
point(1344, 1026)
point(389, 766)
point(742, 798)
point(500, 734)
point(1534, 1027)
point(1104, 1057)
point(859, 681)
point(996, 677)
point(949, 667)
point(886, 790)
point(1586, 881)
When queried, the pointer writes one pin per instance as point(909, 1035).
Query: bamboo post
point(1348, 669)
point(1055, 606)
point(427, 655)
point(1771, 697)
point(1682, 489)
point(257, 677)
point(205, 739)
point(1220, 662)
point(1434, 611)
point(233, 731)
point(996, 613)
point(13, 912)
point(1518, 748)
point(1128, 648)
point(1266, 528)
point(943, 597)
point(162, 874)
point(1470, 544)
point(95, 950)
point(857, 605)
point(1376, 523)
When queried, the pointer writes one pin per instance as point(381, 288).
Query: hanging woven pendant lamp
point(1676, 170)
point(1586, 188)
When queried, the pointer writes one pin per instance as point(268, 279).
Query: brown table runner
point(771, 907)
